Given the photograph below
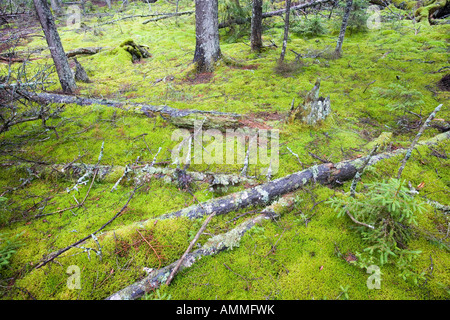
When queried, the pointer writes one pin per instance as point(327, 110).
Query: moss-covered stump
point(137, 51)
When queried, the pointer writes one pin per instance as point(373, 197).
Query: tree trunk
point(256, 28)
point(340, 41)
point(56, 7)
point(286, 30)
point(54, 44)
point(207, 47)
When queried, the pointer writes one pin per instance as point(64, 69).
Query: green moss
point(311, 242)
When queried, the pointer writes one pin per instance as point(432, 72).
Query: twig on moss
point(193, 242)
point(413, 144)
point(61, 251)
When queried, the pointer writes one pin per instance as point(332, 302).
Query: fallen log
point(213, 246)
point(178, 117)
point(326, 174)
point(81, 51)
point(264, 194)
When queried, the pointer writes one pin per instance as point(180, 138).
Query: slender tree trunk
point(340, 41)
point(207, 47)
point(256, 33)
point(54, 44)
point(286, 30)
point(56, 7)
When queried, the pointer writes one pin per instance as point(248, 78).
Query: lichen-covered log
point(327, 173)
point(216, 181)
point(214, 245)
point(180, 118)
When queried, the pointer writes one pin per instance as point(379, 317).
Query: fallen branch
point(413, 144)
point(327, 174)
point(193, 242)
point(178, 117)
point(168, 16)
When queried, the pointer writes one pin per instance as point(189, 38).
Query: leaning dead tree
point(340, 41)
point(55, 46)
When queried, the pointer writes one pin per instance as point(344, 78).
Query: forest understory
point(94, 204)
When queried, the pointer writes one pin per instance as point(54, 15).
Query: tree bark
point(256, 26)
point(56, 49)
point(340, 41)
point(207, 47)
point(286, 29)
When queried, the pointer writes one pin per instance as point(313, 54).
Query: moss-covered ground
point(304, 253)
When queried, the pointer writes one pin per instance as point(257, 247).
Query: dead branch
point(413, 144)
point(193, 242)
point(168, 16)
point(181, 118)
point(270, 14)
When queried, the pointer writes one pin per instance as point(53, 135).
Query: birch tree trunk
point(256, 27)
point(54, 44)
point(340, 41)
point(207, 47)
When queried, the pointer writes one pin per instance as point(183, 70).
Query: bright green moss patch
point(381, 91)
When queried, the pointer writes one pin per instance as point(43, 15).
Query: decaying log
point(313, 110)
point(180, 118)
point(213, 246)
point(264, 194)
point(80, 73)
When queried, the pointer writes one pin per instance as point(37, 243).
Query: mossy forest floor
point(305, 253)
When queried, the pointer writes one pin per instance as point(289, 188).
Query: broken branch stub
point(313, 110)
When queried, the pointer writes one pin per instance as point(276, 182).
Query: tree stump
point(80, 73)
point(313, 110)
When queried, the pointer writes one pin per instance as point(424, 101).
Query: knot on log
point(314, 109)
